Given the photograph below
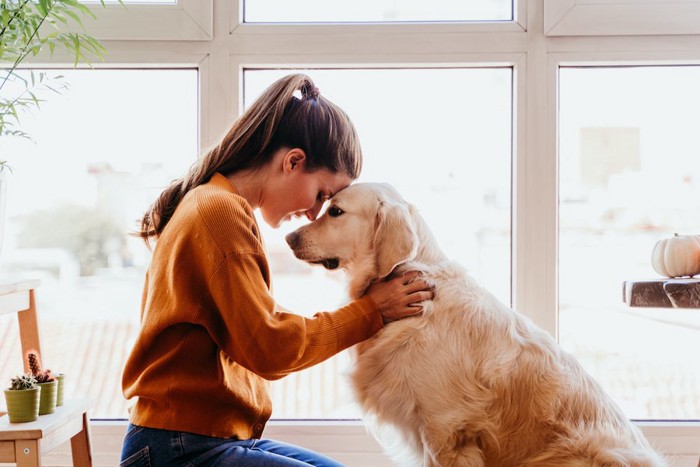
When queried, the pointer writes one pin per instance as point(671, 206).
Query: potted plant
point(22, 399)
point(60, 377)
point(45, 376)
point(46, 381)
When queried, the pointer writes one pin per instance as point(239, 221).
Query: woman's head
point(289, 189)
point(290, 113)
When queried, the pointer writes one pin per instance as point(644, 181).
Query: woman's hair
point(289, 114)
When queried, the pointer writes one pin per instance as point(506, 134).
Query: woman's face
point(294, 192)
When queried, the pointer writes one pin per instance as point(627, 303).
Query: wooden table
point(662, 293)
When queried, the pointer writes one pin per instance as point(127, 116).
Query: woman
point(211, 332)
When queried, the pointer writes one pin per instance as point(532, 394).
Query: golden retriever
point(470, 382)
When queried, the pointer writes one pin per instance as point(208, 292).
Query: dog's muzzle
point(294, 241)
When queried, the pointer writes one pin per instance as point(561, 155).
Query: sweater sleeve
point(272, 343)
point(240, 313)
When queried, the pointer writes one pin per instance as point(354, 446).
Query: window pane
point(136, 2)
point(101, 152)
point(310, 11)
point(630, 176)
point(442, 137)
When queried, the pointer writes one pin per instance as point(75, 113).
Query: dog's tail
point(594, 449)
point(629, 457)
point(624, 447)
point(615, 457)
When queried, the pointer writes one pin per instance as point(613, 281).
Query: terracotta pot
point(22, 404)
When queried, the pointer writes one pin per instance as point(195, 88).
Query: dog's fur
point(470, 382)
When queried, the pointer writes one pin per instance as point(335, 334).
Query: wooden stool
point(23, 443)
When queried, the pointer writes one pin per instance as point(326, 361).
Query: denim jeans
point(151, 447)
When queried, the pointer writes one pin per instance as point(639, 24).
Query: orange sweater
point(211, 334)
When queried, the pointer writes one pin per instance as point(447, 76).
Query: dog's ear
point(395, 238)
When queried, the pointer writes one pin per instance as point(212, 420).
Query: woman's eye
point(334, 211)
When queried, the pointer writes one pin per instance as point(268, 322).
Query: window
point(305, 11)
point(135, 2)
point(621, 18)
point(442, 137)
point(630, 176)
point(145, 20)
point(101, 152)
point(563, 71)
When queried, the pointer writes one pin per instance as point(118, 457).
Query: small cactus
point(20, 382)
point(42, 376)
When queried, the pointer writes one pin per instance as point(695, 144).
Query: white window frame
point(191, 20)
point(621, 17)
point(546, 35)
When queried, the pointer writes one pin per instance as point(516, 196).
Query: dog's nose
point(292, 239)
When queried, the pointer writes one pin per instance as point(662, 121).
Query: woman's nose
point(312, 213)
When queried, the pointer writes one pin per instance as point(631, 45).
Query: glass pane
point(630, 176)
point(446, 146)
point(313, 11)
point(101, 152)
point(136, 2)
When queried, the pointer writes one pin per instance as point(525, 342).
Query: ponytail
point(278, 118)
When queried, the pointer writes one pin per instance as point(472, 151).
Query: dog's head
point(367, 230)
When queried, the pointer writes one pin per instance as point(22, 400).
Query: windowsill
point(350, 442)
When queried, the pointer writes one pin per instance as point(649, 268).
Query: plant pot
point(47, 401)
point(22, 404)
point(59, 389)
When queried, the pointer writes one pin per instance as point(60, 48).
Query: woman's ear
point(293, 160)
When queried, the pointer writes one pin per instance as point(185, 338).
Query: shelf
point(662, 293)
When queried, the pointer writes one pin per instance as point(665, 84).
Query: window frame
point(545, 35)
point(621, 17)
point(190, 20)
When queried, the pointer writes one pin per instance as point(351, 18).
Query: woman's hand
point(398, 297)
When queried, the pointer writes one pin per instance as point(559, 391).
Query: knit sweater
point(211, 334)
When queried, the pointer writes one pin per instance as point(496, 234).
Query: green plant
point(23, 399)
point(41, 375)
point(26, 28)
point(21, 382)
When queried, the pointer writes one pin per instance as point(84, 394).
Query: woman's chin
point(272, 222)
point(276, 223)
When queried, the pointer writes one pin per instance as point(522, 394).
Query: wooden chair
point(23, 443)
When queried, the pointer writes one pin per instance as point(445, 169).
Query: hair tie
point(310, 91)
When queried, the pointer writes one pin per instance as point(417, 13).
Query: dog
point(470, 382)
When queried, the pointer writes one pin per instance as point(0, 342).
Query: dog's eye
point(334, 211)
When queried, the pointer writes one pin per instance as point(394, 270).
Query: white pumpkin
point(677, 256)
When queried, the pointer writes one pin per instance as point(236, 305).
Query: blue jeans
point(151, 447)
